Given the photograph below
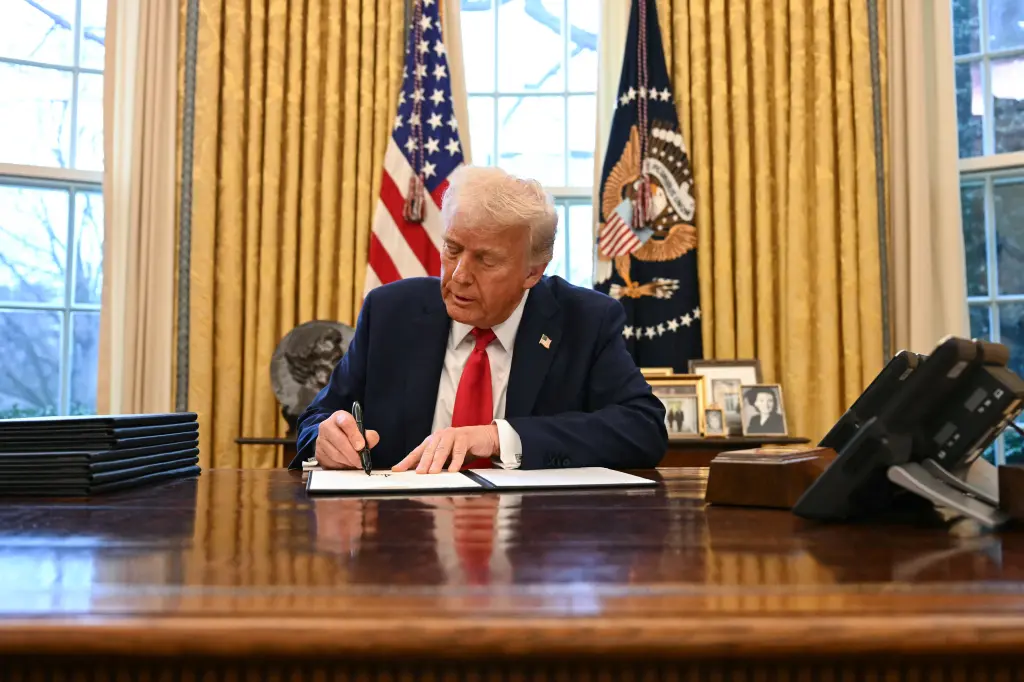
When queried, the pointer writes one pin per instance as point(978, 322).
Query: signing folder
point(354, 482)
point(86, 455)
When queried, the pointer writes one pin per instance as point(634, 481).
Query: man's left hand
point(458, 443)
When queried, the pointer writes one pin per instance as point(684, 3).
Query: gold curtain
point(293, 104)
point(776, 103)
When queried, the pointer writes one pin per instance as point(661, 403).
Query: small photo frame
point(763, 411)
point(722, 382)
point(714, 422)
point(683, 398)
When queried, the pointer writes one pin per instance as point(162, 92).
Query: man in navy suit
point(493, 364)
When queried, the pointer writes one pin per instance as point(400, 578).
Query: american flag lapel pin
point(545, 341)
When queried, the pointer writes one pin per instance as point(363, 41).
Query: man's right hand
point(338, 442)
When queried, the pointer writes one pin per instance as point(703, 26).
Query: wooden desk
point(240, 576)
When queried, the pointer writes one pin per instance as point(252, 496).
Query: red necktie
point(473, 403)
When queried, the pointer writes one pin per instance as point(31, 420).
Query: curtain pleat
point(136, 354)
point(293, 107)
point(776, 103)
point(929, 281)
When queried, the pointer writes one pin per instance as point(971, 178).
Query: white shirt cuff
point(510, 447)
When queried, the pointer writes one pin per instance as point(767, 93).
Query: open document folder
point(355, 482)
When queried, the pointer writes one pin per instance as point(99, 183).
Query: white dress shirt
point(499, 355)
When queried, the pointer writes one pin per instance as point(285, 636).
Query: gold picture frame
point(654, 372)
point(723, 380)
point(683, 398)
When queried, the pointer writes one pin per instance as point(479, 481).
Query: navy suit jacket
point(582, 401)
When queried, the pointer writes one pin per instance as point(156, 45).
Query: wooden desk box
point(765, 477)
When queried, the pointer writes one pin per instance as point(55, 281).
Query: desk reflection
point(595, 537)
point(253, 540)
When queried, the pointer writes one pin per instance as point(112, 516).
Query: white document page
point(385, 480)
point(560, 478)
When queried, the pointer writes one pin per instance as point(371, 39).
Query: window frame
point(75, 182)
point(563, 195)
point(67, 307)
point(987, 169)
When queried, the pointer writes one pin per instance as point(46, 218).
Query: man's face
point(485, 272)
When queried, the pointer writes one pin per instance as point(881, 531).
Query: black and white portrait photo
point(714, 422)
point(763, 414)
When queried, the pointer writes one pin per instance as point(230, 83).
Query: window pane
point(582, 138)
point(1011, 333)
point(972, 206)
point(966, 26)
point(1014, 447)
point(970, 107)
point(481, 130)
point(980, 327)
point(1008, 103)
point(581, 245)
point(1005, 24)
point(530, 46)
point(585, 18)
point(33, 243)
point(1009, 217)
point(29, 363)
point(88, 284)
point(478, 44)
point(94, 24)
point(89, 153)
point(35, 116)
point(531, 138)
point(38, 32)
point(85, 353)
point(557, 266)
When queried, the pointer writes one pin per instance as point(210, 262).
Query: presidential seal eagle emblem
point(667, 231)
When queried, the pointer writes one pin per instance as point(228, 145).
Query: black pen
point(364, 454)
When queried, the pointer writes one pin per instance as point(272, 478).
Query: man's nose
point(462, 273)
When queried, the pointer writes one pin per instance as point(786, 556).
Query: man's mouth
point(461, 299)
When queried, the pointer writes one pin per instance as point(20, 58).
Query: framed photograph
point(650, 372)
point(722, 382)
point(683, 398)
point(763, 411)
point(714, 423)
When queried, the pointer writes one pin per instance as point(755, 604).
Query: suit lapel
point(541, 323)
point(427, 338)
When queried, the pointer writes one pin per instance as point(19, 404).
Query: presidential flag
point(423, 150)
point(646, 243)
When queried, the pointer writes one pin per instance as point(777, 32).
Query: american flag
point(424, 138)
point(616, 237)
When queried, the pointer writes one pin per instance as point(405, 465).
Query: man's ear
point(533, 275)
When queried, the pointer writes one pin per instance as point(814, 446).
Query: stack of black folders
point(82, 456)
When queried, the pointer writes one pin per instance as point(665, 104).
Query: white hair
point(491, 198)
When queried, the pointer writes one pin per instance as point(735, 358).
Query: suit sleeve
point(346, 385)
point(623, 427)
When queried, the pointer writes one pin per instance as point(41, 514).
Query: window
point(532, 107)
point(51, 204)
point(988, 40)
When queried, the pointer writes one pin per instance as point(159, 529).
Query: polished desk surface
point(241, 562)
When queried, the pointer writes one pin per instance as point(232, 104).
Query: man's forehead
point(476, 238)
